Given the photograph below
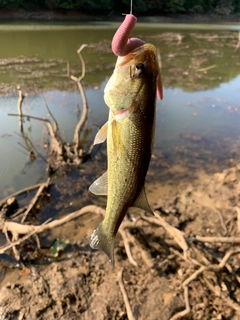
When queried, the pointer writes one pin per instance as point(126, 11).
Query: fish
point(130, 95)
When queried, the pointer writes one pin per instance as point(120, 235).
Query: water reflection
point(197, 122)
point(192, 59)
point(17, 170)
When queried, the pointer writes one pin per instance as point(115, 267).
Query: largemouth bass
point(131, 96)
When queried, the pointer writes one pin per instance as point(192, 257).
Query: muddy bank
point(81, 284)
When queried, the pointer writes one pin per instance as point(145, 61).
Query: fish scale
point(131, 96)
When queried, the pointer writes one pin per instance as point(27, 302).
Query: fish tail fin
point(100, 241)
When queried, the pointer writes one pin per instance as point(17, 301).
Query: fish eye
point(139, 68)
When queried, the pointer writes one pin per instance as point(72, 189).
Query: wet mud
point(81, 283)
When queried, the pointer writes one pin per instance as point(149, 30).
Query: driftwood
point(35, 199)
point(22, 191)
point(21, 232)
point(60, 153)
point(78, 80)
point(125, 297)
point(19, 106)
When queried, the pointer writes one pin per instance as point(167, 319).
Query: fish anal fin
point(100, 241)
point(100, 186)
point(101, 135)
point(142, 202)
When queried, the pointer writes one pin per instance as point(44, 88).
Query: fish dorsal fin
point(100, 186)
point(141, 202)
point(101, 135)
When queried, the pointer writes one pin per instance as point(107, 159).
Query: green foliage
point(139, 6)
point(174, 6)
point(84, 5)
point(96, 5)
point(237, 6)
point(67, 4)
point(25, 4)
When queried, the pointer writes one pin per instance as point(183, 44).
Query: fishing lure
point(122, 44)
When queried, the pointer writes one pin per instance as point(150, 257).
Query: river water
point(197, 121)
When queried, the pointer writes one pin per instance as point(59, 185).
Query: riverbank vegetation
point(222, 7)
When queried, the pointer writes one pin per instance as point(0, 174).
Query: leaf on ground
point(58, 247)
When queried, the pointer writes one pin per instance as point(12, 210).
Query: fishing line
point(131, 5)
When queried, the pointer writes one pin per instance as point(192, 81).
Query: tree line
point(224, 7)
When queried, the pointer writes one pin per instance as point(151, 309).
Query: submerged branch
point(19, 106)
point(35, 118)
point(22, 191)
point(55, 123)
point(83, 118)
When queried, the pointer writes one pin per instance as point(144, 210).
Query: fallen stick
point(28, 235)
point(35, 199)
point(187, 309)
point(215, 239)
point(24, 190)
point(21, 229)
point(177, 235)
point(125, 297)
point(35, 118)
point(127, 242)
point(207, 68)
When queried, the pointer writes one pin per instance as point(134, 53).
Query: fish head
point(134, 79)
point(142, 62)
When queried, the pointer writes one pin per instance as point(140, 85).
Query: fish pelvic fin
point(100, 186)
point(142, 202)
point(100, 241)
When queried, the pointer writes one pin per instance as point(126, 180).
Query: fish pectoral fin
point(100, 186)
point(100, 241)
point(101, 135)
point(141, 202)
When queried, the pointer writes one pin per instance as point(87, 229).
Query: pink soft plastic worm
point(122, 44)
